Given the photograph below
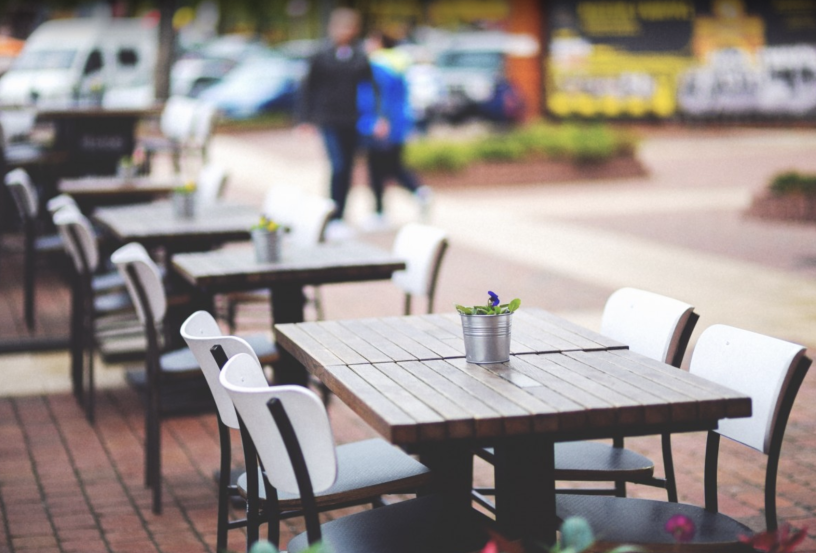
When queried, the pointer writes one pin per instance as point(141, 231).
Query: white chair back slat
point(212, 179)
point(650, 324)
point(204, 123)
point(307, 223)
point(25, 195)
point(58, 202)
point(420, 246)
point(243, 379)
point(71, 223)
point(178, 118)
point(147, 272)
point(753, 364)
point(201, 332)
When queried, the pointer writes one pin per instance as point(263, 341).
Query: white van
point(66, 59)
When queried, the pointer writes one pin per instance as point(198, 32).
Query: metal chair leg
point(668, 468)
point(29, 270)
point(223, 487)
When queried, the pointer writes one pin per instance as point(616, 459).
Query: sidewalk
point(65, 486)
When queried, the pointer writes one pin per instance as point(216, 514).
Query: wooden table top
point(156, 224)
point(236, 268)
point(77, 111)
point(104, 185)
point(573, 393)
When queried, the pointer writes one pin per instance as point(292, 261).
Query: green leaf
point(576, 533)
point(464, 310)
point(480, 311)
point(513, 305)
point(628, 549)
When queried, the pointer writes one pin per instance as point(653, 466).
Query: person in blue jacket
point(385, 145)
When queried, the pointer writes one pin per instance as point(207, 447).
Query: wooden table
point(407, 378)
point(235, 269)
point(155, 224)
point(91, 191)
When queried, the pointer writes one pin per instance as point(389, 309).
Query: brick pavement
point(65, 486)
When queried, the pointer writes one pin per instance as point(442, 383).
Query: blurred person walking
point(385, 143)
point(328, 99)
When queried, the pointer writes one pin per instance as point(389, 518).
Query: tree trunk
point(167, 44)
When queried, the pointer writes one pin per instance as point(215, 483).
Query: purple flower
point(494, 299)
point(681, 527)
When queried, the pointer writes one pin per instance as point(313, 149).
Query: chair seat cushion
point(366, 469)
point(107, 282)
point(49, 243)
point(596, 461)
point(113, 302)
point(179, 361)
point(617, 520)
point(264, 348)
point(423, 525)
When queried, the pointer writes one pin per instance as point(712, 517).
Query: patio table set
point(409, 378)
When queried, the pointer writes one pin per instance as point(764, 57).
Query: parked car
point(69, 58)
point(259, 84)
point(204, 66)
point(472, 69)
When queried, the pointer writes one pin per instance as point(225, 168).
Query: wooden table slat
point(430, 424)
point(388, 348)
point(560, 322)
point(286, 335)
point(404, 325)
point(319, 332)
point(483, 415)
point(416, 349)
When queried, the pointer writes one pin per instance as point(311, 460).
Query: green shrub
point(792, 182)
point(504, 147)
point(438, 155)
point(569, 141)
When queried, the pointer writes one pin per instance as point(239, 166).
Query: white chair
point(177, 125)
point(367, 469)
point(423, 248)
point(290, 429)
point(168, 376)
point(203, 127)
point(27, 201)
point(89, 307)
point(212, 180)
point(768, 370)
point(653, 325)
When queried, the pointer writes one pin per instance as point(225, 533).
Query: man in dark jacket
point(328, 99)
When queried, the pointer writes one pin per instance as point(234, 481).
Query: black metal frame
point(304, 481)
point(29, 227)
point(152, 390)
point(82, 331)
point(772, 468)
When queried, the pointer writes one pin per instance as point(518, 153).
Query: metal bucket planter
point(184, 205)
point(487, 337)
point(267, 245)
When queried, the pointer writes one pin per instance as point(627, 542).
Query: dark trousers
point(384, 163)
point(341, 145)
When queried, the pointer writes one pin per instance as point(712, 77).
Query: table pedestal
point(288, 302)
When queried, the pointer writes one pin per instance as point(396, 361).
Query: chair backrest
point(58, 202)
point(25, 195)
point(754, 364)
point(212, 179)
point(422, 247)
point(178, 118)
point(650, 324)
point(305, 215)
point(307, 222)
point(134, 256)
point(201, 333)
point(204, 122)
point(243, 379)
point(78, 237)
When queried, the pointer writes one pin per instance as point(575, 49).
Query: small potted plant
point(126, 169)
point(184, 200)
point(266, 238)
point(486, 329)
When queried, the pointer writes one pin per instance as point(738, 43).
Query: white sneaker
point(376, 222)
point(338, 231)
point(424, 195)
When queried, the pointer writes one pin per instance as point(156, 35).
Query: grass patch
point(268, 120)
point(571, 142)
point(793, 182)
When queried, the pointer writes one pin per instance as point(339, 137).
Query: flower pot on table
point(487, 337)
